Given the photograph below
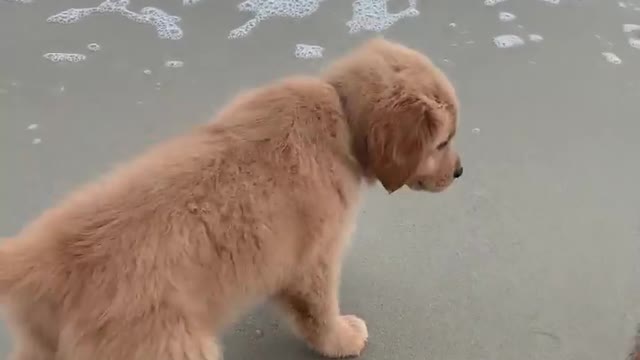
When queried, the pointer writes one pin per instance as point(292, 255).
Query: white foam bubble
point(147, 71)
point(165, 24)
point(476, 130)
point(190, 2)
point(71, 16)
point(535, 37)
point(552, 2)
point(94, 47)
point(635, 43)
point(373, 15)
point(304, 51)
point(265, 9)
point(174, 64)
point(32, 127)
point(508, 41)
point(36, 141)
point(612, 58)
point(452, 25)
point(630, 28)
point(622, 4)
point(506, 16)
point(493, 2)
point(64, 57)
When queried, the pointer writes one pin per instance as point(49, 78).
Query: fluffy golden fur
point(154, 259)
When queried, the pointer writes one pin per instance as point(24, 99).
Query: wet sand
point(534, 254)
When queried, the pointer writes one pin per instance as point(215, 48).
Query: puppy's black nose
point(458, 172)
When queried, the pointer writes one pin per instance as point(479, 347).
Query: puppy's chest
point(328, 219)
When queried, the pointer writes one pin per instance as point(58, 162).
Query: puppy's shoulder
point(308, 86)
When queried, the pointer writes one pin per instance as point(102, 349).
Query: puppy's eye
point(442, 145)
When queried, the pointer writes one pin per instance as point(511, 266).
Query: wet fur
point(154, 259)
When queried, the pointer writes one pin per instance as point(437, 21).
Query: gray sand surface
point(534, 254)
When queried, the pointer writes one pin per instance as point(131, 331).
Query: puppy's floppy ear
point(400, 127)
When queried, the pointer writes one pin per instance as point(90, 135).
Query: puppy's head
point(403, 114)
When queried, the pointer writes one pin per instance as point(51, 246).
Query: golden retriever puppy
point(154, 259)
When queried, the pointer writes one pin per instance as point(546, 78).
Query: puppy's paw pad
point(358, 325)
point(349, 339)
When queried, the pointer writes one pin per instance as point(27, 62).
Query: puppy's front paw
point(347, 338)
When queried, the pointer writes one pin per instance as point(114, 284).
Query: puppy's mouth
point(422, 185)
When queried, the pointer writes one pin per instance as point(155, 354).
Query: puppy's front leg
point(312, 302)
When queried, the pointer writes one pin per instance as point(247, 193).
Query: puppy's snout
point(458, 172)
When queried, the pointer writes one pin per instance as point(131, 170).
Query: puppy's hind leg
point(161, 338)
point(34, 331)
point(29, 346)
point(312, 303)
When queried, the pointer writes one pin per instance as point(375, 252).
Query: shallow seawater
point(166, 25)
